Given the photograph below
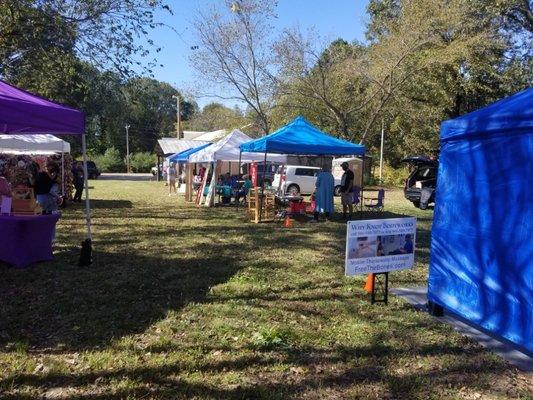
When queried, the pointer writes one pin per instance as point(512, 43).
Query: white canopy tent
point(33, 144)
point(227, 149)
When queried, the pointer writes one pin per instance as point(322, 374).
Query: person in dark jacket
point(77, 173)
point(347, 182)
point(46, 192)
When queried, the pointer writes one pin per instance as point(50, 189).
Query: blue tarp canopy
point(183, 156)
point(481, 263)
point(301, 137)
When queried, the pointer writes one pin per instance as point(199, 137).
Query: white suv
point(298, 179)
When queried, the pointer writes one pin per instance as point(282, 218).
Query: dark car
point(422, 181)
point(271, 169)
point(92, 170)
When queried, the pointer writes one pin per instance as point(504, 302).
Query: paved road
point(125, 177)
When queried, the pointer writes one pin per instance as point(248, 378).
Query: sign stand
point(380, 287)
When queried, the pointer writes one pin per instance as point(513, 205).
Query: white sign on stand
point(380, 245)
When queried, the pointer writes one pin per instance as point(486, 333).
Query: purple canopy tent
point(24, 113)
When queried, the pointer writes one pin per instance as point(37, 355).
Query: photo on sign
point(378, 246)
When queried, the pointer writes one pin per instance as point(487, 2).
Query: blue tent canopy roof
point(301, 137)
point(184, 155)
point(511, 115)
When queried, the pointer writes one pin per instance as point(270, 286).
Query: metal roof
point(168, 146)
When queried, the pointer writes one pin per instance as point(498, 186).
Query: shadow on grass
point(82, 308)
point(336, 369)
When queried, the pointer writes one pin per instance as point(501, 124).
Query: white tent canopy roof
point(227, 149)
point(33, 144)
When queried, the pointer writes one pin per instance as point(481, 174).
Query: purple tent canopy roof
point(22, 113)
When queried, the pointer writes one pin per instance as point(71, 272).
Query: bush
point(142, 162)
point(394, 176)
point(110, 161)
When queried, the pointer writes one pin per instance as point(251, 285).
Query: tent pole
point(262, 188)
point(362, 187)
point(63, 168)
point(86, 247)
point(239, 173)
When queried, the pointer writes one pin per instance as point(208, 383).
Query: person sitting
point(227, 179)
point(233, 182)
point(243, 192)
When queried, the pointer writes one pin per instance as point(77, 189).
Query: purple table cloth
point(26, 239)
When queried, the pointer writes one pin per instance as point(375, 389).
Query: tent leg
point(361, 200)
point(262, 189)
point(238, 175)
point(63, 169)
point(86, 245)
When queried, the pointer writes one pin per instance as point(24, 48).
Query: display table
point(26, 239)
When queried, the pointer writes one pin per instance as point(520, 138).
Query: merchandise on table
point(21, 170)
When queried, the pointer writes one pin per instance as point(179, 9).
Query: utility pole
point(381, 152)
point(178, 116)
point(127, 148)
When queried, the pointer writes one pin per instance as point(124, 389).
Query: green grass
point(185, 302)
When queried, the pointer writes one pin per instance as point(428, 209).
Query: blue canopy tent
point(302, 138)
point(482, 237)
point(183, 157)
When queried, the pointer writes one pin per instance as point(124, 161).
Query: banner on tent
point(379, 245)
point(253, 173)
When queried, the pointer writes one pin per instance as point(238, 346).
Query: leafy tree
point(216, 116)
point(235, 54)
point(103, 32)
point(318, 82)
point(456, 60)
point(110, 161)
point(142, 162)
point(151, 111)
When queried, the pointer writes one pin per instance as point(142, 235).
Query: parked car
point(422, 176)
point(294, 179)
point(92, 171)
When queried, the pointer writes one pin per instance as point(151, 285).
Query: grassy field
point(188, 303)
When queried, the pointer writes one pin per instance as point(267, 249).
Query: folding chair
point(376, 203)
point(356, 194)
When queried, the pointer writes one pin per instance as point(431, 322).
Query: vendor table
point(26, 239)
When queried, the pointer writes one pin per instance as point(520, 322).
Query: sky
point(333, 19)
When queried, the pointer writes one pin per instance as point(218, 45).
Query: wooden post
point(188, 182)
point(262, 198)
point(158, 167)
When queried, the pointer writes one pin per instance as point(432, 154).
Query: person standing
point(43, 184)
point(346, 189)
point(325, 189)
point(5, 187)
point(77, 173)
point(172, 174)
